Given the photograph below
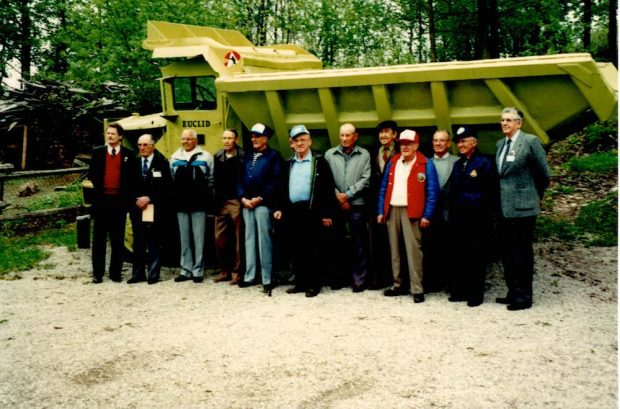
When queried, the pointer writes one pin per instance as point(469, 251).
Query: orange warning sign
point(231, 58)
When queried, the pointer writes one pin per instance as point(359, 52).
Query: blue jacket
point(263, 180)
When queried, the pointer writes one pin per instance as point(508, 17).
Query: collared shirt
point(383, 152)
point(401, 175)
point(146, 162)
point(300, 179)
point(502, 155)
point(117, 149)
point(444, 166)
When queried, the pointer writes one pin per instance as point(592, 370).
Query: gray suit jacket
point(523, 181)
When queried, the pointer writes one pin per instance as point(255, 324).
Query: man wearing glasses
point(523, 177)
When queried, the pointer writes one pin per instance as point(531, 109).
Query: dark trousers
point(304, 243)
point(380, 274)
point(470, 241)
point(147, 247)
point(349, 264)
point(110, 216)
point(517, 235)
point(436, 244)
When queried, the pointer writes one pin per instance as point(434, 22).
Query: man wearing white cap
point(257, 191)
point(407, 198)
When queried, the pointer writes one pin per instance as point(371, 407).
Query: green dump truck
point(220, 80)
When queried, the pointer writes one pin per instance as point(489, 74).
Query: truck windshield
point(195, 93)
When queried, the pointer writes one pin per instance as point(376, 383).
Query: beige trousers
point(401, 227)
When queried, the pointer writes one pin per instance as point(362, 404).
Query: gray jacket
point(351, 176)
point(524, 179)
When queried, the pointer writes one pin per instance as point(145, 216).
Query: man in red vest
point(407, 197)
point(111, 171)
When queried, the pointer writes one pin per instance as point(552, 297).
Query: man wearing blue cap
point(257, 190)
point(472, 199)
point(307, 206)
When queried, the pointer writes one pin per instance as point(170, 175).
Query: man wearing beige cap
point(407, 198)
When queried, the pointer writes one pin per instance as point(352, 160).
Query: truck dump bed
point(284, 85)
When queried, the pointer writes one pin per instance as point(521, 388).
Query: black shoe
point(267, 289)
point(135, 280)
point(312, 293)
point(456, 298)
point(474, 303)
point(97, 280)
point(418, 298)
point(198, 280)
point(358, 288)
point(295, 290)
point(395, 292)
point(117, 279)
point(503, 300)
point(519, 306)
point(335, 287)
point(181, 278)
point(245, 284)
point(153, 280)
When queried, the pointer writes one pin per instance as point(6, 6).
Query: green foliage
point(599, 219)
point(23, 252)
point(601, 136)
point(596, 162)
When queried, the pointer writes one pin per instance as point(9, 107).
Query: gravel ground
point(68, 343)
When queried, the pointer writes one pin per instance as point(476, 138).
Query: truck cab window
point(194, 93)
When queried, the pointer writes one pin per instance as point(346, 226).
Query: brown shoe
point(236, 277)
point(222, 277)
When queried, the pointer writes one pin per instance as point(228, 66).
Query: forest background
point(93, 44)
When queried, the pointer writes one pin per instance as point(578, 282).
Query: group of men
point(416, 208)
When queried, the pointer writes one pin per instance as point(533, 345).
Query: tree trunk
point(25, 57)
point(482, 32)
point(493, 43)
point(431, 31)
point(612, 34)
point(587, 23)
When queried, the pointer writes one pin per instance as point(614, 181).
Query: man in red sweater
point(111, 172)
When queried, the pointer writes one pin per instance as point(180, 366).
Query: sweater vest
point(416, 187)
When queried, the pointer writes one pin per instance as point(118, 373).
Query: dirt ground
point(67, 343)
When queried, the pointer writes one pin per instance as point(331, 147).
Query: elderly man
point(523, 177)
point(307, 207)
point(111, 172)
point(380, 271)
point(150, 210)
point(192, 170)
point(350, 166)
point(436, 264)
point(473, 189)
point(228, 169)
point(407, 199)
point(258, 192)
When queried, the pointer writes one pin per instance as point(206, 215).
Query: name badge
point(510, 158)
point(157, 174)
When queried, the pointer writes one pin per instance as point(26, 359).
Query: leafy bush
point(556, 228)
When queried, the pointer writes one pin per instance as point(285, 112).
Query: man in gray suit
point(523, 176)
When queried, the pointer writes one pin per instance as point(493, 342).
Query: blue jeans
point(257, 227)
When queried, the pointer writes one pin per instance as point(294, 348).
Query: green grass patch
point(597, 162)
point(556, 228)
point(595, 225)
point(599, 219)
point(23, 252)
